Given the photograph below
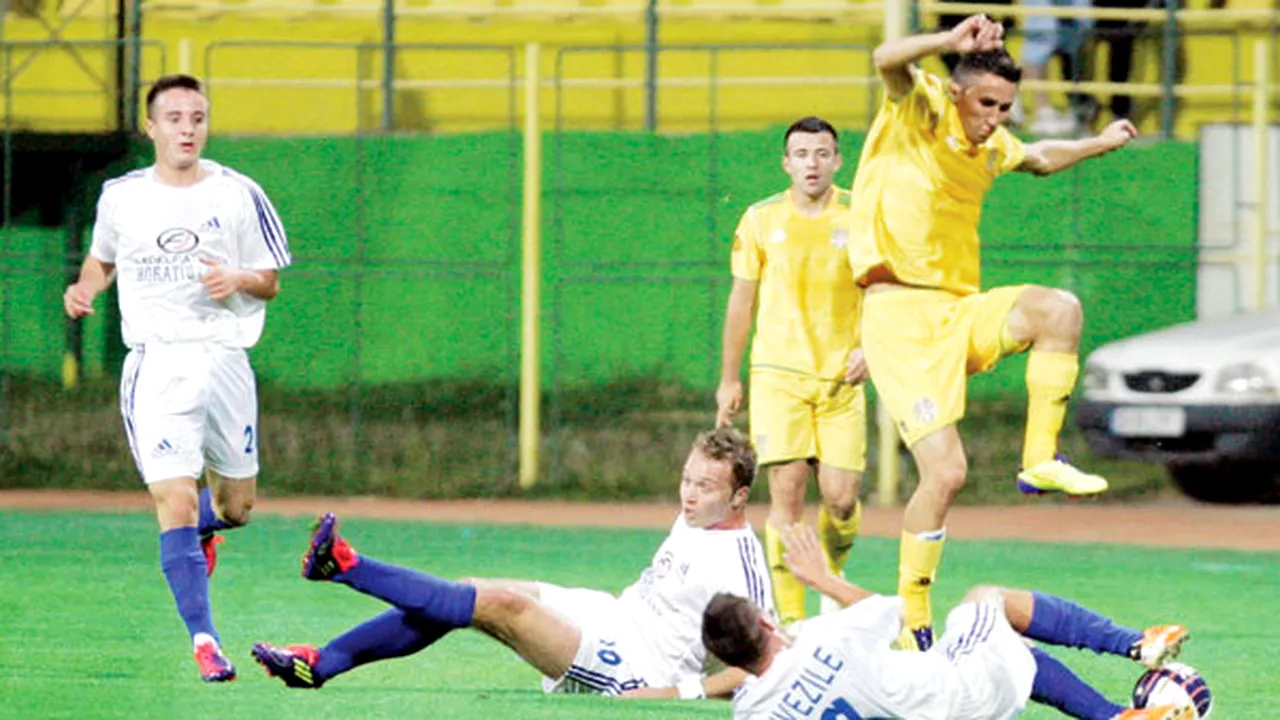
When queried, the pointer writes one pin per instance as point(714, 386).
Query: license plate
point(1149, 421)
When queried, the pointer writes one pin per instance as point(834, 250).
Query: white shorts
point(188, 405)
point(611, 657)
point(993, 660)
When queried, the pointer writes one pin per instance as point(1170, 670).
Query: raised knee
point(984, 593)
point(496, 606)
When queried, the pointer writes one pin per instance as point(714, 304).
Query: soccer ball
point(1173, 684)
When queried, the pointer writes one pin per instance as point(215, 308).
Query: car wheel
point(1228, 483)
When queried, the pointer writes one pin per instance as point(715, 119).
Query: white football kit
point(841, 667)
point(651, 634)
point(187, 392)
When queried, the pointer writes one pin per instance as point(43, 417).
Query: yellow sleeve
point(1009, 151)
point(924, 104)
point(745, 259)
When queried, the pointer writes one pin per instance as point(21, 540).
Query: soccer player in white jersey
point(195, 249)
point(841, 665)
point(645, 642)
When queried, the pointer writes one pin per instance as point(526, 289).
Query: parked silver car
point(1202, 398)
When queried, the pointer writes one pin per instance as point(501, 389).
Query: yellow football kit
point(917, 200)
point(806, 324)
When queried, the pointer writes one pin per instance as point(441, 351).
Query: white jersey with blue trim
point(158, 237)
point(841, 667)
point(691, 566)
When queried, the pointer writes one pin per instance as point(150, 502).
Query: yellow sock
point(788, 592)
point(838, 535)
point(1051, 376)
point(918, 560)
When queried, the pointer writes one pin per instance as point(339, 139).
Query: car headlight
point(1246, 379)
point(1096, 377)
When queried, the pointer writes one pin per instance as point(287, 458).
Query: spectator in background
point(1121, 37)
point(1045, 37)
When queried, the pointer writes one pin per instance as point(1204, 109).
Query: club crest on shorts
point(177, 241)
point(926, 410)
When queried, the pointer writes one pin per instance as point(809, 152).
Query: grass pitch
point(88, 629)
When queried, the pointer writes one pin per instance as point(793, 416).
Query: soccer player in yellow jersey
point(791, 275)
point(933, 150)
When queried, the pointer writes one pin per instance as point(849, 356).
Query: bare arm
point(1047, 157)
point(95, 276)
point(893, 59)
point(737, 328)
point(806, 561)
point(719, 685)
point(222, 282)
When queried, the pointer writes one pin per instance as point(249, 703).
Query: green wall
point(407, 252)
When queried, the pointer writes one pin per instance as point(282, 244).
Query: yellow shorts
point(921, 345)
point(797, 417)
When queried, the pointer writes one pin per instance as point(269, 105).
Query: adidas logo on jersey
point(163, 448)
point(211, 224)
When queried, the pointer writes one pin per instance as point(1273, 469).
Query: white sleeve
point(260, 234)
point(746, 573)
point(105, 240)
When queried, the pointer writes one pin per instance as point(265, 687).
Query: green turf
point(88, 630)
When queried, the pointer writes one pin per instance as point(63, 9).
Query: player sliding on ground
point(933, 150)
point(841, 666)
point(645, 642)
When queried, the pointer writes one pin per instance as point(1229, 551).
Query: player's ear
point(955, 91)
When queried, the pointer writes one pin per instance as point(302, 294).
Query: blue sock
point(1055, 685)
point(1062, 622)
point(392, 634)
point(183, 566)
point(209, 520)
point(421, 595)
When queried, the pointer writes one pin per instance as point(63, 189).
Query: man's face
point(812, 160)
point(707, 497)
point(984, 103)
point(178, 128)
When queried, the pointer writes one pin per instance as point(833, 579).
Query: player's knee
point(495, 606)
point(841, 503)
point(984, 593)
point(237, 515)
point(1053, 310)
point(945, 482)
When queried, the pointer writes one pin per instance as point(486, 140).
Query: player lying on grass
point(841, 666)
point(645, 642)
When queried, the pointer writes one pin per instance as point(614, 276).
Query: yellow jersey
point(808, 305)
point(917, 195)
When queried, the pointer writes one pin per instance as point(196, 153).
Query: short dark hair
point(996, 62)
point(169, 82)
point(731, 631)
point(729, 444)
point(810, 124)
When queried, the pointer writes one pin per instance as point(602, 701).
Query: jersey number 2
point(248, 439)
point(840, 709)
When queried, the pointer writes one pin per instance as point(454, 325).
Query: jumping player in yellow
point(791, 275)
point(933, 150)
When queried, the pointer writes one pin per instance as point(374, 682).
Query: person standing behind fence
point(1045, 37)
point(930, 156)
point(196, 248)
point(807, 406)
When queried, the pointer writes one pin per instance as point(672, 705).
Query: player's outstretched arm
point(737, 327)
point(977, 33)
point(1047, 157)
point(95, 276)
point(805, 559)
point(719, 685)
